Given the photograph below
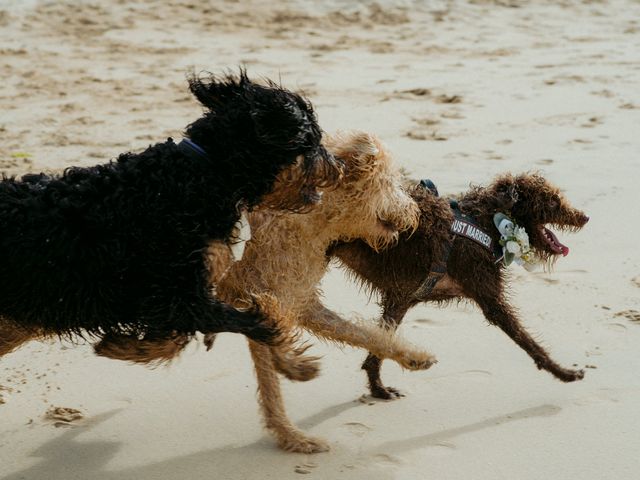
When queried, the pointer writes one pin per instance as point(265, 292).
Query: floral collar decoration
point(515, 242)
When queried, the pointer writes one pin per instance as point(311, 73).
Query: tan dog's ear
point(363, 145)
point(358, 151)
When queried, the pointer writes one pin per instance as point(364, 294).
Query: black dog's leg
point(498, 312)
point(171, 327)
point(391, 317)
point(218, 317)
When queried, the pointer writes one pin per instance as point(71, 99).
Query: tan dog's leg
point(290, 360)
point(218, 258)
point(287, 435)
point(383, 343)
point(12, 336)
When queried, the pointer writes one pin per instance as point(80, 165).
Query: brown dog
point(286, 258)
point(436, 265)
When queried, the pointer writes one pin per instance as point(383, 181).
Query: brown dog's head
point(536, 205)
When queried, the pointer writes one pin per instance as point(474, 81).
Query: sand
point(459, 91)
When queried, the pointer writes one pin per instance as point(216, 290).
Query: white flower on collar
point(515, 242)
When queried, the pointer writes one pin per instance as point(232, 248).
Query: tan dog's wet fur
point(286, 258)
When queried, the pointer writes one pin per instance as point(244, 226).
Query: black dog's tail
point(259, 324)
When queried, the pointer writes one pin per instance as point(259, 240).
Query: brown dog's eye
point(554, 203)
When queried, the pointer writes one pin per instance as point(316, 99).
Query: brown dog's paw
point(568, 375)
point(300, 443)
point(386, 393)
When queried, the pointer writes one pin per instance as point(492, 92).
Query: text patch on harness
point(464, 228)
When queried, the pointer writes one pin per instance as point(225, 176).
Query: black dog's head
point(535, 204)
point(260, 134)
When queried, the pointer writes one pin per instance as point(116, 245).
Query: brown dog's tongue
point(554, 243)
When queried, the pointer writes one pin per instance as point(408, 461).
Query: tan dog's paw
point(300, 443)
point(303, 370)
point(296, 366)
point(417, 360)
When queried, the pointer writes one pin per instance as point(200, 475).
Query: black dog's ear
point(212, 92)
point(282, 122)
point(506, 191)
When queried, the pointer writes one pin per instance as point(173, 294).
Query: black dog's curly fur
point(117, 249)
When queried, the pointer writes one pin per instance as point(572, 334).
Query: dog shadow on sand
point(67, 458)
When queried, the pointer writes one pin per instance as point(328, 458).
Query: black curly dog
point(116, 250)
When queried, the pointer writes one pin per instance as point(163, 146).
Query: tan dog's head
point(372, 195)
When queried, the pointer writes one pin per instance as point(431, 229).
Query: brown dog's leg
point(270, 398)
point(391, 317)
point(498, 312)
point(329, 325)
point(12, 336)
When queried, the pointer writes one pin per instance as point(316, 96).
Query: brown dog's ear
point(506, 192)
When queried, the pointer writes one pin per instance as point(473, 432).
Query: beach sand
point(459, 91)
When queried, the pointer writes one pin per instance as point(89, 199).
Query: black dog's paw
point(208, 340)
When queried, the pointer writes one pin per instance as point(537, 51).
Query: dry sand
point(459, 91)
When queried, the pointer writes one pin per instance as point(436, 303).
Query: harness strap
point(461, 226)
point(192, 150)
point(438, 267)
point(438, 270)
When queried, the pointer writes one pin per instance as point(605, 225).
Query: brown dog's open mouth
point(553, 243)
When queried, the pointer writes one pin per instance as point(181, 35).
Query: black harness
point(462, 226)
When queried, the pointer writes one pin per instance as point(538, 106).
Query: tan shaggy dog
point(286, 258)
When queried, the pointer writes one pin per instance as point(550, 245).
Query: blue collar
point(192, 150)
